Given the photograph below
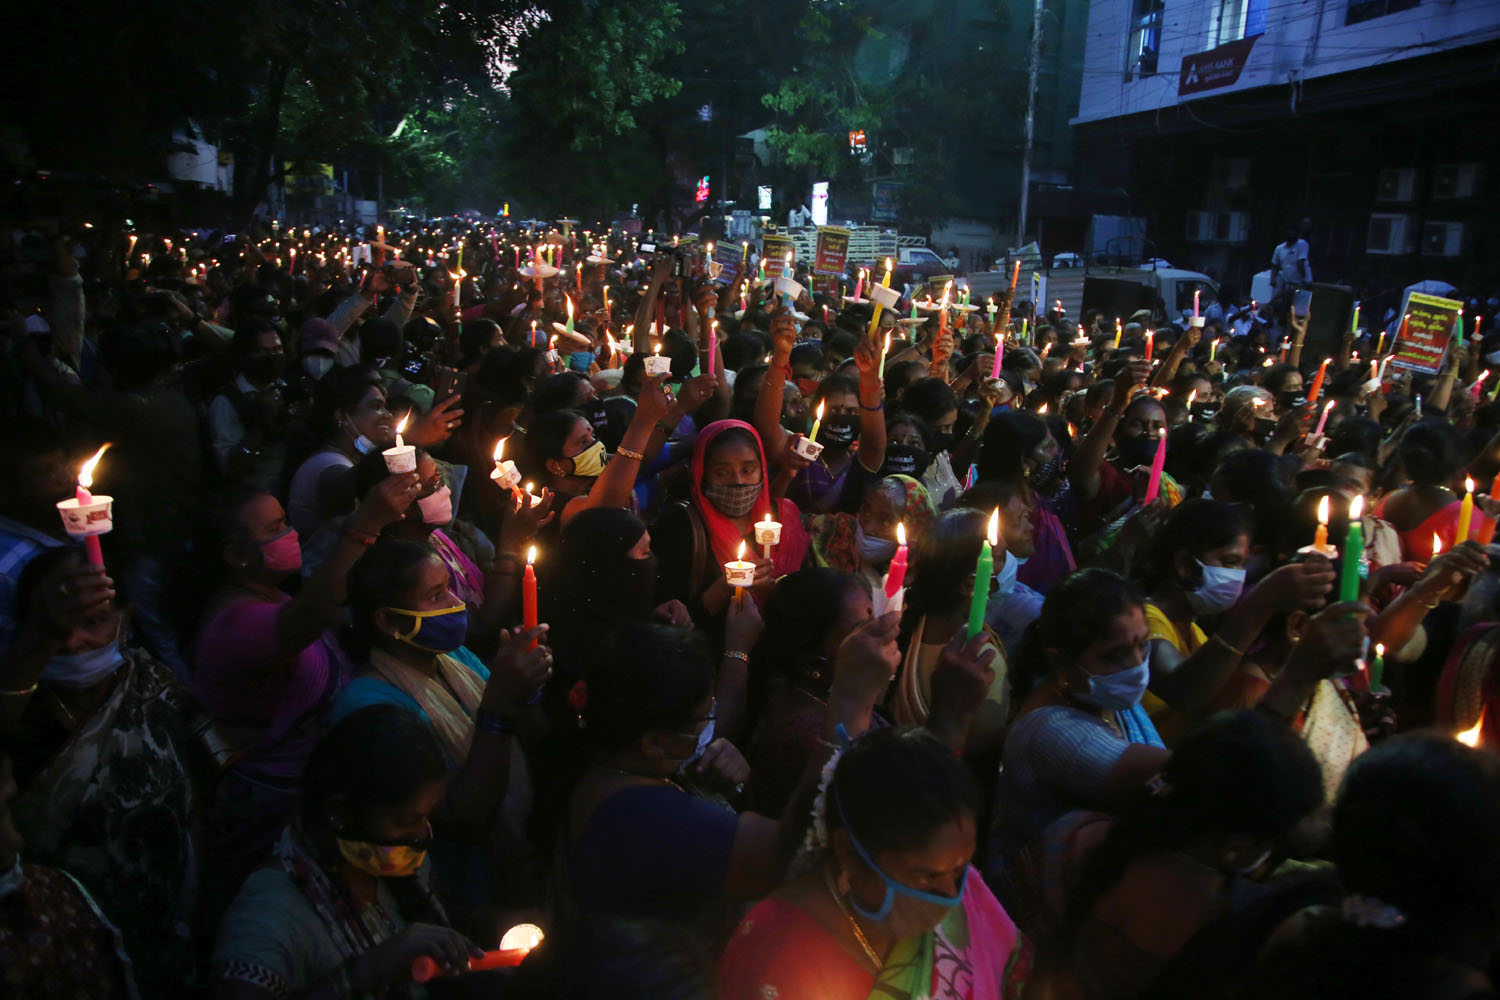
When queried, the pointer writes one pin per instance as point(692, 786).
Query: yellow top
point(1169, 722)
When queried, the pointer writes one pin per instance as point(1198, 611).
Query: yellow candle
point(1465, 513)
point(817, 422)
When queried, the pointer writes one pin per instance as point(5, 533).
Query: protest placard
point(1425, 332)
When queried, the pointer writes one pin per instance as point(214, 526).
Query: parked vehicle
point(1116, 291)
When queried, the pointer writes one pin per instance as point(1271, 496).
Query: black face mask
point(798, 425)
point(1048, 473)
point(906, 460)
point(1135, 451)
point(838, 431)
point(945, 441)
point(267, 368)
point(594, 410)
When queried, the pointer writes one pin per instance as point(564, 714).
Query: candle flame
point(819, 411)
point(531, 555)
point(1437, 544)
point(900, 532)
point(1356, 508)
point(522, 937)
point(1192, 396)
point(528, 487)
point(1323, 512)
point(656, 349)
point(1470, 737)
point(86, 473)
point(994, 529)
point(499, 450)
point(570, 307)
point(1469, 484)
point(741, 555)
point(1042, 410)
point(401, 427)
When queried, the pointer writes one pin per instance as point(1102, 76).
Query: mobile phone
point(1302, 302)
point(445, 383)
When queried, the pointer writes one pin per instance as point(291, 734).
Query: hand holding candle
point(517, 943)
point(403, 457)
point(528, 591)
point(767, 534)
point(87, 516)
point(740, 573)
point(1353, 552)
point(506, 475)
point(983, 570)
point(1158, 466)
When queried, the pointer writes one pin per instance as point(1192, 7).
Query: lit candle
point(859, 285)
point(1119, 331)
point(1320, 538)
point(1196, 292)
point(1478, 387)
point(896, 575)
point(531, 498)
point(713, 347)
point(528, 592)
point(1354, 551)
point(767, 534)
point(505, 474)
point(1465, 513)
point(999, 353)
point(1437, 545)
point(1213, 349)
point(1377, 666)
point(1150, 343)
point(656, 365)
point(403, 457)
point(1015, 275)
point(885, 282)
point(86, 515)
point(1323, 420)
point(569, 326)
point(880, 372)
point(1158, 464)
point(983, 570)
point(817, 422)
point(1470, 737)
point(1317, 384)
point(740, 573)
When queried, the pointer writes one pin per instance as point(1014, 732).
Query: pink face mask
point(282, 554)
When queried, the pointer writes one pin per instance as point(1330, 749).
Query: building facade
point(1370, 122)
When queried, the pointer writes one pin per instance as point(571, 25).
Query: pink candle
point(713, 347)
point(859, 286)
point(999, 354)
point(1323, 420)
point(896, 575)
point(1196, 292)
point(1159, 463)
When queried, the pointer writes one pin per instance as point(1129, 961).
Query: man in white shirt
point(1289, 263)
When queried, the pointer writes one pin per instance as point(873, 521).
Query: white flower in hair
point(816, 841)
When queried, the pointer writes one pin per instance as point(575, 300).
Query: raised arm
point(615, 483)
point(1083, 469)
point(773, 384)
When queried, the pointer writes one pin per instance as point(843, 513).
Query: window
point(1237, 19)
point(1145, 38)
point(1365, 10)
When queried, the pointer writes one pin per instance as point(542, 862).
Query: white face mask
point(1120, 691)
point(874, 550)
point(77, 671)
point(1220, 589)
point(317, 365)
point(1005, 576)
point(438, 508)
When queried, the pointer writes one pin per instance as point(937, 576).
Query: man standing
point(1289, 263)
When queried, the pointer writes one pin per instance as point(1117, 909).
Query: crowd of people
point(727, 637)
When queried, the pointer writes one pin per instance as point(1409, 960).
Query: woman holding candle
point(1429, 502)
point(267, 665)
point(730, 491)
point(344, 904)
point(864, 543)
point(1021, 452)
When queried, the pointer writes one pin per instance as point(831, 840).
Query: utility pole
point(1036, 56)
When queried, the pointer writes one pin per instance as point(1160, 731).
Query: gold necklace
point(859, 935)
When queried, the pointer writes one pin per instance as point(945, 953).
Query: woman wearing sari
point(886, 904)
point(1427, 505)
point(864, 543)
point(104, 762)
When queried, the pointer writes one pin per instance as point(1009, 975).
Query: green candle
point(1377, 666)
point(1354, 549)
point(983, 570)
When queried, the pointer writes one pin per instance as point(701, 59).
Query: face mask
point(945, 440)
point(437, 508)
point(282, 554)
point(1047, 474)
point(704, 739)
point(11, 880)
point(892, 887)
point(1118, 692)
point(589, 463)
point(594, 410)
point(838, 431)
point(1221, 587)
point(317, 365)
point(386, 860)
point(734, 499)
point(440, 631)
point(1136, 451)
point(77, 671)
point(266, 368)
point(579, 361)
point(807, 386)
point(873, 550)
point(906, 460)
point(1005, 577)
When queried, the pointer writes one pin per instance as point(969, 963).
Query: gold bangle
point(625, 452)
point(23, 692)
point(1216, 637)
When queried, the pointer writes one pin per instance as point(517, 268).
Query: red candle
point(424, 968)
point(1150, 344)
point(896, 575)
point(528, 591)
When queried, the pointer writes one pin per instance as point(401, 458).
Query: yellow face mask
point(396, 860)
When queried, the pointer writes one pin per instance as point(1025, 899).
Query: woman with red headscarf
point(730, 492)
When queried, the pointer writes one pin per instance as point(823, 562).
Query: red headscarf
point(723, 536)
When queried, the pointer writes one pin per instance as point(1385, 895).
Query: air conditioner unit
point(1232, 227)
point(1456, 180)
point(1200, 227)
point(1232, 173)
point(1442, 239)
point(1397, 184)
point(1391, 234)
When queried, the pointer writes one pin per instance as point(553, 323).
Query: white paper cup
point(789, 286)
point(887, 297)
point(82, 520)
point(1196, 321)
point(506, 475)
point(402, 459)
point(658, 365)
point(740, 574)
point(809, 450)
point(767, 532)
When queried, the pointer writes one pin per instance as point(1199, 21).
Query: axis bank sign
point(1215, 68)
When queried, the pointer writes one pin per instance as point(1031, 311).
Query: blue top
point(652, 851)
point(371, 689)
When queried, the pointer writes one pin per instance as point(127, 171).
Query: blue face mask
point(440, 631)
point(1118, 692)
point(579, 361)
point(891, 885)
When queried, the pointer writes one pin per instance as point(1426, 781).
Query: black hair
point(986, 496)
point(1008, 440)
point(387, 570)
point(799, 613)
point(807, 354)
point(473, 338)
point(1430, 453)
point(743, 349)
point(247, 336)
point(1257, 478)
point(1077, 611)
point(896, 417)
point(942, 560)
point(645, 678)
point(380, 755)
point(1275, 782)
point(678, 346)
point(835, 383)
point(137, 353)
point(1194, 527)
point(556, 392)
point(1275, 378)
point(747, 383)
point(379, 337)
point(545, 439)
point(840, 342)
point(342, 388)
point(929, 398)
point(894, 788)
point(900, 376)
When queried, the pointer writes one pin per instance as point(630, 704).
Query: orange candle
point(1317, 385)
point(528, 591)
